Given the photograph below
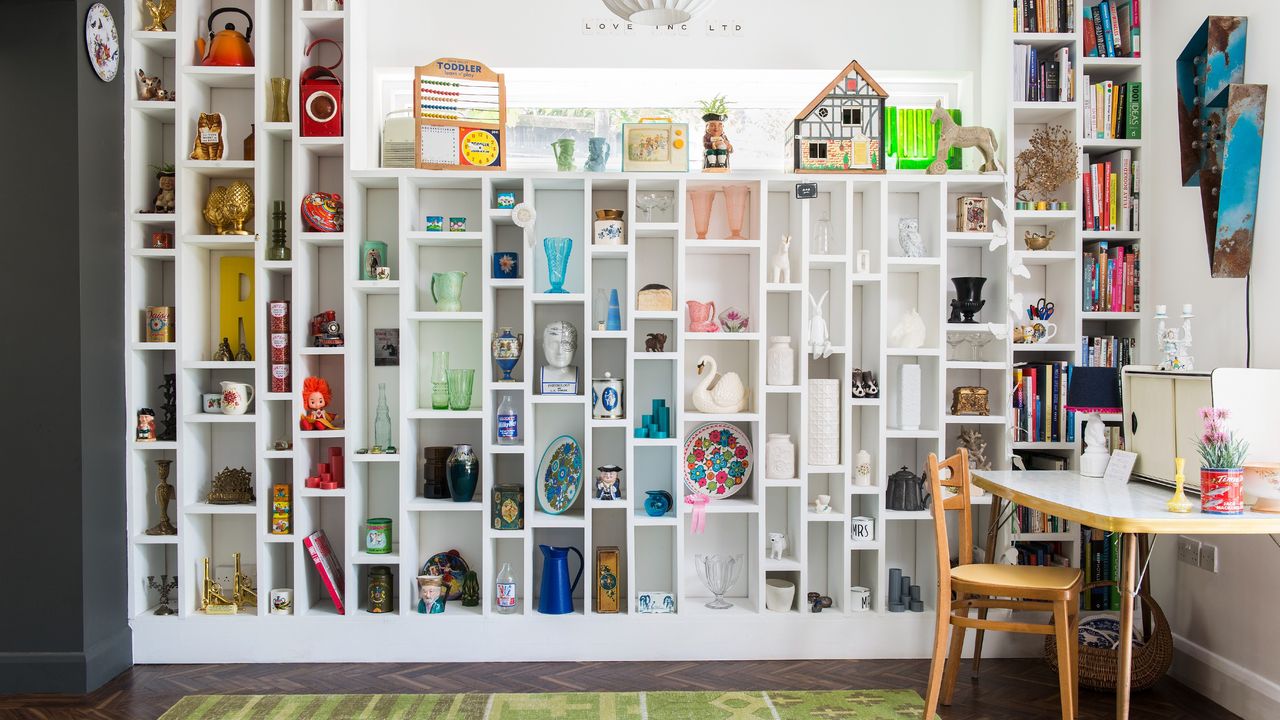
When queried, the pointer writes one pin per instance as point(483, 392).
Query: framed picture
point(386, 346)
point(655, 146)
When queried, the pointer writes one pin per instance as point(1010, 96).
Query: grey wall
point(63, 624)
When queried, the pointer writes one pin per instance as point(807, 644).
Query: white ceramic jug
point(236, 397)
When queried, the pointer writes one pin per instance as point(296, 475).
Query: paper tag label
point(506, 595)
point(210, 136)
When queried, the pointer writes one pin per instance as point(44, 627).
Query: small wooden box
point(608, 582)
point(973, 214)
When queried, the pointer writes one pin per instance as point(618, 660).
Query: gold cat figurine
point(210, 141)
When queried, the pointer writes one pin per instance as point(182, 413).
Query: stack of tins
point(278, 323)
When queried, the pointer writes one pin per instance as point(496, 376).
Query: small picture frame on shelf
point(655, 145)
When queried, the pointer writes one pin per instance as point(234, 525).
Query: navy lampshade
point(1093, 389)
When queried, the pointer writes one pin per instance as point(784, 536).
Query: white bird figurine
point(729, 394)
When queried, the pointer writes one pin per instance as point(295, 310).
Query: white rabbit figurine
point(780, 263)
point(819, 338)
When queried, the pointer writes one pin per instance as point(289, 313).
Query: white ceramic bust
point(559, 343)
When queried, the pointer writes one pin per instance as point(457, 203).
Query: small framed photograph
point(386, 347)
point(655, 147)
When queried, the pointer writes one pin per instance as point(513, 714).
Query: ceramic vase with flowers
point(1221, 465)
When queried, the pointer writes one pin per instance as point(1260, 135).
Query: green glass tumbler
point(460, 383)
point(440, 380)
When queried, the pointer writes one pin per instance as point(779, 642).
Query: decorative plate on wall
point(717, 460)
point(102, 42)
point(451, 568)
point(559, 475)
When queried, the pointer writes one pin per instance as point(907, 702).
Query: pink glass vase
point(701, 200)
point(735, 202)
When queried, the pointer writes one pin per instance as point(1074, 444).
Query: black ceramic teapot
point(906, 491)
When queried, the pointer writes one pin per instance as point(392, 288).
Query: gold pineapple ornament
point(160, 12)
point(228, 207)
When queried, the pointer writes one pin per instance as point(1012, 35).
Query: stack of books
point(1034, 521)
point(1040, 402)
point(1042, 76)
point(1111, 197)
point(1112, 110)
point(1107, 351)
point(1112, 29)
point(1110, 278)
point(1044, 16)
point(1042, 553)
point(1100, 561)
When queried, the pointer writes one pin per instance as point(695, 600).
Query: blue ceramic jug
point(557, 594)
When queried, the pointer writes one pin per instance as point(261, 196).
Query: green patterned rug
point(771, 705)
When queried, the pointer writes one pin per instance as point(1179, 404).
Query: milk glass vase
point(440, 380)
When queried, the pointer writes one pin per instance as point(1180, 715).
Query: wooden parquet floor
point(1008, 689)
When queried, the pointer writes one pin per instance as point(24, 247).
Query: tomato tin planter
point(320, 92)
point(1222, 491)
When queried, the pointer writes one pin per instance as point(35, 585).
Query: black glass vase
point(969, 296)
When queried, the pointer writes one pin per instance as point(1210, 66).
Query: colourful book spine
point(1115, 25)
point(1113, 592)
point(1136, 22)
point(1086, 213)
point(1099, 37)
point(1104, 19)
point(1090, 44)
point(327, 566)
point(1133, 111)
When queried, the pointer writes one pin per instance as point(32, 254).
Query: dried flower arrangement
point(1050, 161)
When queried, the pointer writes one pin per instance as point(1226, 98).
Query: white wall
point(1228, 614)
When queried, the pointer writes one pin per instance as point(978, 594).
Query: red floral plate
point(717, 460)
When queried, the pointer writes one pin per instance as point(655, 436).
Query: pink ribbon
point(698, 521)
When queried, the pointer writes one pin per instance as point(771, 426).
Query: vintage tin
point(457, 224)
point(377, 536)
point(279, 347)
point(508, 507)
point(281, 377)
point(434, 223)
point(159, 323)
point(381, 582)
point(161, 240)
point(506, 200)
point(278, 316)
point(606, 397)
point(608, 582)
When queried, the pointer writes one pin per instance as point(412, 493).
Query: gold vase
point(279, 99)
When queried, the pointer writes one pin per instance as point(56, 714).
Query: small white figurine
point(777, 545)
point(819, 338)
point(909, 332)
point(822, 504)
point(729, 394)
point(780, 263)
point(909, 237)
point(1175, 343)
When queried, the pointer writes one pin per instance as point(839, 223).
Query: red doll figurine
point(316, 396)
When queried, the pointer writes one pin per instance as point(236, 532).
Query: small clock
point(102, 42)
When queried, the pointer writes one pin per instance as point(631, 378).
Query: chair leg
point(1073, 607)
point(953, 663)
point(977, 645)
point(1066, 671)
point(933, 689)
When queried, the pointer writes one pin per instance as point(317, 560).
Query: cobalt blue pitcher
point(557, 594)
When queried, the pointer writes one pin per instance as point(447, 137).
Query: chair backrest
point(951, 473)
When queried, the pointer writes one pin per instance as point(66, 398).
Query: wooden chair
point(984, 587)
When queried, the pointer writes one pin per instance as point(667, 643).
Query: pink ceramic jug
point(702, 316)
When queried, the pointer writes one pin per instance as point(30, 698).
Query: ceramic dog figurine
point(777, 545)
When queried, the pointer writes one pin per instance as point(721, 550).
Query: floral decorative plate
point(717, 460)
point(102, 42)
point(559, 477)
point(452, 568)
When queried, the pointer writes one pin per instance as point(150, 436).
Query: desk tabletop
point(1130, 507)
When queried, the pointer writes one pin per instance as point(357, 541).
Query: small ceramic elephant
point(777, 545)
point(655, 342)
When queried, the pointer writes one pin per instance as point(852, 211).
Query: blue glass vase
point(557, 250)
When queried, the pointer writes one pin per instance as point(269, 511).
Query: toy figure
point(607, 487)
point(431, 594)
point(316, 396)
point(716, 147)
point(223, 353)
point(146, 431)
point(165, 184)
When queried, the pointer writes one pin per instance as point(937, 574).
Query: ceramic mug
point(236, 398)
point(859, 598)
point(281, 601)
point(778, 594)
point(822, 503)
point(212, 402)
point(1039, 331)
point(862, 529)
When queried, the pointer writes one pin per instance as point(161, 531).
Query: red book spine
point(327, 567)
point(1129, 282)
point(1086, 180)
point(1106, 194)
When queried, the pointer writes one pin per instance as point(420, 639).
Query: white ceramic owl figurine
point(909, 237)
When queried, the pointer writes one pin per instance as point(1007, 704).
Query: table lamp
point(1093, 390)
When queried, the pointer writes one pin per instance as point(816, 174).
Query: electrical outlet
point(1188, 550)
point(1209, 557)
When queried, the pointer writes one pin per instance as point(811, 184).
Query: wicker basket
point(1097, 668)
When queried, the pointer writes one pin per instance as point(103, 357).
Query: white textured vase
point(780, 361)
point(862, 469)
point(909, 398)
point(780, 457)
point(824, 422)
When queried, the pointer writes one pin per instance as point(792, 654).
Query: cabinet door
point(1150, 425)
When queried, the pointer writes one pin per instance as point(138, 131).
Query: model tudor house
point(842, 130)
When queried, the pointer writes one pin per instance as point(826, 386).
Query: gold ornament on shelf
point(164, 495)
point(231, 487)
point(228, 207)
point(160, 12)
point(242, 594)
point(212, 601)
point(1049, 163)
point(969, 400)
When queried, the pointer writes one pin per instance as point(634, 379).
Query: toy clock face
point(480, 147)
point(102, 42)
point(322, 107)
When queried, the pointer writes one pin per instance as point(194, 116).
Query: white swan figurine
point(729, 394)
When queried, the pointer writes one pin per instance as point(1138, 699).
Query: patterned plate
point(451, 567)
point(559, 475)
point(717, 460)
point(101, 40)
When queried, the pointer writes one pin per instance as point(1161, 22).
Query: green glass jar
point(381, 584)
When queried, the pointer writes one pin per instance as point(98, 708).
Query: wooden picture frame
point(453, 126)
point(655, 145)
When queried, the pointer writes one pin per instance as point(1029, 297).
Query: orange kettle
point(227, 46)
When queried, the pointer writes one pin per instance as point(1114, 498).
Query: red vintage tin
point(279, 347)
point(1222, 491)
point(278, 316)
point(281, 377)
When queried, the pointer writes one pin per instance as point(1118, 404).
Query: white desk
point(1131, 508)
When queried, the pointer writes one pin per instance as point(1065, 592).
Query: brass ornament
point(243, 594)
point(164, 495)
point(228, 207)
point(969, 400)
point(212, 600)
point(160, 12)
point(231, 487)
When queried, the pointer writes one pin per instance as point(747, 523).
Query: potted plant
point(716, 147)
point(1221, 465)
point(1048, 165)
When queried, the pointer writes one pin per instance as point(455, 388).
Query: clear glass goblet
point(718, 573)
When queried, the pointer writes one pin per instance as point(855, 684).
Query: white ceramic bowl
point(778, 594)
point(1262, 480)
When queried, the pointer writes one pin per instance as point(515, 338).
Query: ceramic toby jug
point(236, 397)
point(557, 591)
point(446, 290)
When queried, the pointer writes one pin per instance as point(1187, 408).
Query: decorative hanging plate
point(451, 568)
point(102, 42)
point(717, 460)
point(559, 475)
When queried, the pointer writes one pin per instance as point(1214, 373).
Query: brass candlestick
point(242, 593)
point(164, 587)
point(160, 11)
point(212, 601)
point(164, 495)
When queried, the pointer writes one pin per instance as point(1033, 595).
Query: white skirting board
point(1234, 687)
